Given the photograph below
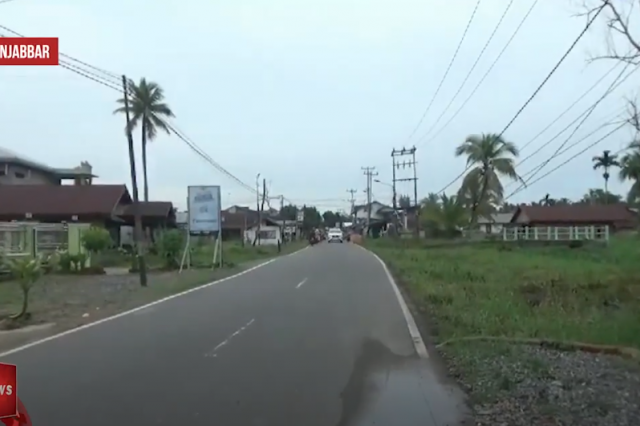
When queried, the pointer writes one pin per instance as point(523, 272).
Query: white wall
point(269, 235)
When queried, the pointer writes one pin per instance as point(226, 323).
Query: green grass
point(588, 294)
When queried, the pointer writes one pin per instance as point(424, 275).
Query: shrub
point(169, 247)
point(96, 239)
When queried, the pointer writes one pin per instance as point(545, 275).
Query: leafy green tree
point(150, 112)
point(330, 219)
point(312, 218)
point(289, 212)
point(599, 196)
point(489, 157)
point(444, 218)
point(605, 162)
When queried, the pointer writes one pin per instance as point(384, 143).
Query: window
point(267, 235)
point(20, 175)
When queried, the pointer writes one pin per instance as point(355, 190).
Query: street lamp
point(390, 186)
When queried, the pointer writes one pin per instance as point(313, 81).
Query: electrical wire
point(473, 67)
point(606, 124)
point(614, 84)
point(446, 73)
point(568, 160)
point(544, 82)
point(554, 69)
point(486, 74)
point(113, 81)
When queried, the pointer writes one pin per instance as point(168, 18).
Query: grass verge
point(586, 294)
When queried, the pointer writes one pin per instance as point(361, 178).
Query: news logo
point(29, 51)
point(12, 410)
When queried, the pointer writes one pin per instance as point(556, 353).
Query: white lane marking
point(414, 331)
point(301, 283)
point(139, 308)
point(213, 354)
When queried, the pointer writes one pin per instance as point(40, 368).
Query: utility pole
point(352, 200)
point(369, 172)
point(396, 154)
point(255, 238)
point(137, 217)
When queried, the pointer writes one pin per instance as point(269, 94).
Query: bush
point(96, 239)
point(169, 247)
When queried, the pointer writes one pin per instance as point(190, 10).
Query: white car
point(334, 235)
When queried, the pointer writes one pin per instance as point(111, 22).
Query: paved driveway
point(317, 338)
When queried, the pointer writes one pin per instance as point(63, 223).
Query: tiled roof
point(578, 213)
point(158, 209)
point(66, 200)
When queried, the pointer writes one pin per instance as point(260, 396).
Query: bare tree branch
point(620, 36)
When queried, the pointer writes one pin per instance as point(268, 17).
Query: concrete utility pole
point(255, 238)
point(411, 164)
point(369, 172)
point(352, 200)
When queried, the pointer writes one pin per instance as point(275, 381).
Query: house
point(269, 232)
point(616, 216)
point(16, 169)
point(494, 223)
point(108, 205)
point(379, 211)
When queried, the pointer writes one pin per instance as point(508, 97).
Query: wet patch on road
point(389, 389)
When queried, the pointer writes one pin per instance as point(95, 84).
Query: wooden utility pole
point(137, 218)
point(369, 172)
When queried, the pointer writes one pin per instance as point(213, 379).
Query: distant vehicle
point(334, 235)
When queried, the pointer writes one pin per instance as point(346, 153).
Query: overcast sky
point(304, 92)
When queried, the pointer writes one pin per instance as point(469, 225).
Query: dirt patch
point(74, 300)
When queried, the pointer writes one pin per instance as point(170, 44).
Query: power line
point(554, 69)
point(473, 67)
point(568, 160)
point(568, 148)
point(111, 80)
point(614, 84)
point(486, 74)
point(446, 73)
point(570, 107)
point(544, 82)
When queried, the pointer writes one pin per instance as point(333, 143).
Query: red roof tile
point(577, 213)
point(65, 200)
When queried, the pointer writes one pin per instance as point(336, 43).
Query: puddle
point(387, 389)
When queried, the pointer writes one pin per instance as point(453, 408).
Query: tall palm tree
point(150, 112)
point(489, 156)
point(605, 161)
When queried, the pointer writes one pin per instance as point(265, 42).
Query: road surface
point(317, 338)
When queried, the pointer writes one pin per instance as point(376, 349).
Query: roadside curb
point(414, 331)
point(145, 306)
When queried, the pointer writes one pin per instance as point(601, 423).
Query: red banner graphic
point(29, 51)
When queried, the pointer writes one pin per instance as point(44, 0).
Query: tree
point(489, 156)
point(599, 196)
point(622, 44)
point(605, 161)
point(330, 219)
point(630, 170)
point(404, 202)
point(289, 212)
point(312, 218)
point(150, 113)
point(444, 218)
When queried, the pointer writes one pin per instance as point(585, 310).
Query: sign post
point(204, 218)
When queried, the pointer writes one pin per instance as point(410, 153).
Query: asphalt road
point(317, 338)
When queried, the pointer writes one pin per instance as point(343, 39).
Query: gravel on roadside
point(530, 385)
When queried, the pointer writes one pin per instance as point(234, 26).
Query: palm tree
point(150, 112)
point(444, 218)
point(605, 162)
point(488, 157)
point(630, 170)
